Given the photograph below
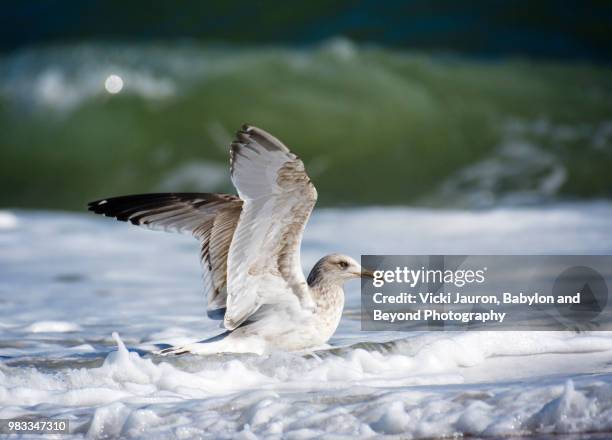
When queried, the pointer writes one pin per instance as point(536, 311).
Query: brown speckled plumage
point(250, 249)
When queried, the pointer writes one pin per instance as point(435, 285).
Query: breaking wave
point(373, 125)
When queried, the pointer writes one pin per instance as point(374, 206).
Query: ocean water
point(467, 132)
point(85, 300)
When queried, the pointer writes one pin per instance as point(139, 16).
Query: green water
point(373, 126)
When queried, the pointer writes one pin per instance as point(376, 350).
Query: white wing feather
point(264, 257)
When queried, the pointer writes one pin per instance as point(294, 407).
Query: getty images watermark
point(486, 292)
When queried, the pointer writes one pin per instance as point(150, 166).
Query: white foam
point(8, 220)
point(129, 395)
point(52, 327)
point(64, 78)
point(59, 356)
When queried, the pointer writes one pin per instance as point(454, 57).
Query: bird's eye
point(343, 264)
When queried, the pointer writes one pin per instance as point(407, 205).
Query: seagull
point(250, 251)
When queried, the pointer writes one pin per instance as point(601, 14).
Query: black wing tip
point(97, 206)
point(248, 134)
point(124, 208)
point(243, 136)
point(115, 206)
point(101, 207)
point(241, 139)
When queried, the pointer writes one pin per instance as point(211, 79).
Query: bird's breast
point(330, 303)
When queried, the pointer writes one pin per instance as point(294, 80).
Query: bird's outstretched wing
point(264, 256)
point(212, 218)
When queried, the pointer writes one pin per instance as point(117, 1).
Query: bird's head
point(336, 268)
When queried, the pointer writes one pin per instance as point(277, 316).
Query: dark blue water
point(577, 30)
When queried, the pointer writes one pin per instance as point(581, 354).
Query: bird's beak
point(367, 273)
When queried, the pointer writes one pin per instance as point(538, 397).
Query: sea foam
point(67, 282)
